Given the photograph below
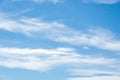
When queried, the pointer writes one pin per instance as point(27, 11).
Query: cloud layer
point(90, 67)
point(45, 59)
point(79, 66)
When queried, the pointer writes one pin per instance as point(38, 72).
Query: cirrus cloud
point(104, 1)
point(46, 59)
point(98, 78)
point(59, 32)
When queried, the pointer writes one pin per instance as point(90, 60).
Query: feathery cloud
point(40, 1)
point(61, 33)
point(45, 59)
point(90, 72)
point(54, 1)
point(104, 1)
point(98, 78)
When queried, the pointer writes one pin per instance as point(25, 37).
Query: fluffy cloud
point(104, 1)
point(61, 33)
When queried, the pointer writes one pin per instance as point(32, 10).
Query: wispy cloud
point(103, 1)
point(40, 1)
point(28, 26)
point(33, 59)
point(60, 32)
point(54, 1)
point(45, 59)
point(98, 78)
point(92, 72)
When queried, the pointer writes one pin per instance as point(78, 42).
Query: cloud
point(41, 1)
point(59, 32)
point(32, 59)
point(54, 1)
point(92, 72)
point(86, 1)
point(46, 59)
point(98, 78)
point(103, 1)
point(28, 26)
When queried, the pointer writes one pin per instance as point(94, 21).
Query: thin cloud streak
point(103, 1)
point(41, 1)
point(97, 78)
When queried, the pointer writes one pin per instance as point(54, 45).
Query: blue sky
point(59, 40)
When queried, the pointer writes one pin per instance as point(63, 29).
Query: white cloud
point(92, 72)
point(40, 1)
point(104, 1)
point(27, 26)
point(54, 1)
point(59, 32)
point(45, 59)
point(98, 78)
point(33, 59)
point(97, 38)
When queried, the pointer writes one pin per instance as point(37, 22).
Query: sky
point(59, 40)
